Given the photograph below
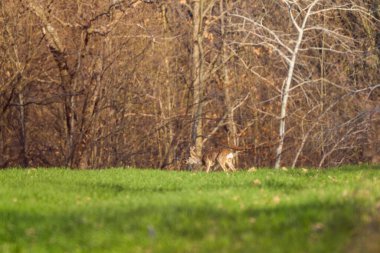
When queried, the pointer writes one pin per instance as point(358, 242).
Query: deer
point(224, 157)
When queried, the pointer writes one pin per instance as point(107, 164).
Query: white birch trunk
point(286, 89)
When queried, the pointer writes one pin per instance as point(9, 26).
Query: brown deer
point(224, 157)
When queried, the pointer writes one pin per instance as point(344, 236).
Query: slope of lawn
point(130, 210)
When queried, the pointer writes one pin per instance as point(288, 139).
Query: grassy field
point(129, 210)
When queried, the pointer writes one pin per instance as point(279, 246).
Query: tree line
point(138, 82)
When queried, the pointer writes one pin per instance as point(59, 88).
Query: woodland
point(137, 83)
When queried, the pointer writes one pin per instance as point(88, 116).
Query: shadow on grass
point(253, 229)
point(366, 238)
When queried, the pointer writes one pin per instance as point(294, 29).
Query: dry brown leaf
point(276, 199)
point(318, 227)
point(257, 182)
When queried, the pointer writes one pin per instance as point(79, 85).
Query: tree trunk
point(375, 120)
point(198, 86)
point(231, 126)
point(23, 137)
point(286, 89)
point(57, 50)
point(88, 128)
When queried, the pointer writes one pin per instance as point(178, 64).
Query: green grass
point(129, 210)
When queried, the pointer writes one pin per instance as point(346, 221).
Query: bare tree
point(291, 46)
point(232, 129)
point(137, 82)
point(197, 75)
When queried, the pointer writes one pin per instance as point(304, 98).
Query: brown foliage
point(110, 83)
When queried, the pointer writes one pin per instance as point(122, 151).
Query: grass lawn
point(130, 210)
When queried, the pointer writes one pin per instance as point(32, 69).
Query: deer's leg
point(222, 164)
point(224, 167)
point(209, 164)
point(231, 165)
